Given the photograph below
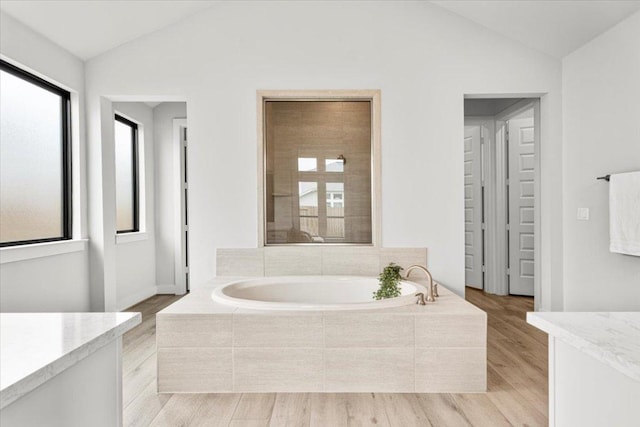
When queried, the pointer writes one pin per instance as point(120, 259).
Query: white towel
point(624, 213)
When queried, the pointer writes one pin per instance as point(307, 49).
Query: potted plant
point(389, 282)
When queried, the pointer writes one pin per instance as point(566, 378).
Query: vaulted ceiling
point(88, 28)
point(556, 28)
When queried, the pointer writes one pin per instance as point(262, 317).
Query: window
point(335, 210)
point(35, 159)
point(320, 223)
point(126, 142)
point(308, 194)
point(307, 164)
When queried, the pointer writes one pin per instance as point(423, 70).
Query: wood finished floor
point(517, 386)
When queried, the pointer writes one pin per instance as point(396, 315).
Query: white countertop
point(35, 347)
point(612, 338)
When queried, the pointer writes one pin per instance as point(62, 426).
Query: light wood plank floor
point(517, 383)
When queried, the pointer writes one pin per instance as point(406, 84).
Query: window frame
point(66, 176)
point(135, 170)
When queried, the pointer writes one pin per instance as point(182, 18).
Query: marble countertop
point(35, 347)
point(612, 338)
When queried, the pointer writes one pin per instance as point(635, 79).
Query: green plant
point(389, 280)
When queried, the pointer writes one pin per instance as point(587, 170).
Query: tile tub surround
point(205, 347)
point(314, 260)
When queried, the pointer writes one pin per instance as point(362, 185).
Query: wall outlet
point(583, 214)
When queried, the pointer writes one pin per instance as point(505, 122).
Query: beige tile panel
point(195, 370)
point(404, 257)
point(277, 369)
point(451, 370)
point(240, 262)
point(291, 261)
point(451, 330)
point(302, 260)
point(368, 330)
point(369, 370)
point(194, 330)
point(202, 304)
point(350, 260)
point(273, 330)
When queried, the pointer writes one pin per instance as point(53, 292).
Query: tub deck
point(206, 347)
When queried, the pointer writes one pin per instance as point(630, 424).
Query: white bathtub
point(311, 293)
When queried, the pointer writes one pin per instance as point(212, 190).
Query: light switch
point(583, 214)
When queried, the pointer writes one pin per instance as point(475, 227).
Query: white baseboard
point(139, 296)
point(166, 289)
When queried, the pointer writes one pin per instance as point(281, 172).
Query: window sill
point(41, 250)
point(135, 236)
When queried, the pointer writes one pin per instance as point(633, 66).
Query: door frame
point(180, 249)
point(502, 199)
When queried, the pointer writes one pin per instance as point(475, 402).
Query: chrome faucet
point(432, 290)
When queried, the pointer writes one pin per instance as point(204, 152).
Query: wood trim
point(552, 380)
point(260, 97)
point(373, 95)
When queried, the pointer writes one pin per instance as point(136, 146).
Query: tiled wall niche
point(314, 260)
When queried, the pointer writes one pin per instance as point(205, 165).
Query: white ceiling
point(556, 28)
point(90, 27)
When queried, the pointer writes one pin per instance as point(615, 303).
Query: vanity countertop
point(612, 338)
point(35, 347)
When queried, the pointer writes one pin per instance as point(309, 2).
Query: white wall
point(59, 282)
point(601, 110)
point(166, 182)
point(423, 58)
point(136, 260)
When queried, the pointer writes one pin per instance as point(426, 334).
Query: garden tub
point(312, 293)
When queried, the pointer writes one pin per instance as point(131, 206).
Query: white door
point(521, 203)
point(473, 206)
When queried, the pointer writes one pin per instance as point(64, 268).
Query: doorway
point(501, 186)
point(151, 255)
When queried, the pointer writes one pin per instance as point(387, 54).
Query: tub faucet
point(430, 289)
